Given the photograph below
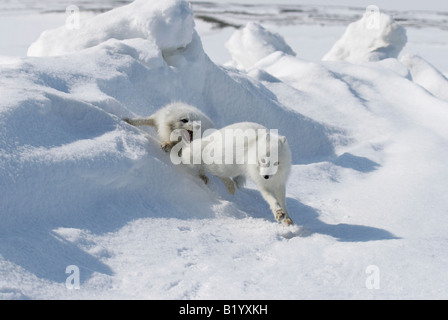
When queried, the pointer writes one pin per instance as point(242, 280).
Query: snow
point(252, 43)
point(140, 20)
point(374, 37)
point(426, 75)
point(80, 187)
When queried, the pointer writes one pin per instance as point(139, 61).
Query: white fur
point(172, 117)
point(272, 189)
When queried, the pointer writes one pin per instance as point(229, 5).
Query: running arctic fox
point(174, 116)
point(259, 154)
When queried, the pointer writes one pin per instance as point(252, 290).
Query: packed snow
point(375, 37)
point(85, 196)
point(252, 43)
point(146, 22)
point(426, 75)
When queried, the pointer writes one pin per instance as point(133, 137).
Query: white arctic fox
point(243, 150)
point(172, 117)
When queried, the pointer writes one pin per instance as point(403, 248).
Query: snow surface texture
point(79, 187)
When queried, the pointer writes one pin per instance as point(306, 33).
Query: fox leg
point(202, 175)
point(280, 213)
point(281, 196)
point(140, 121)
point(230, 185)
point(240, 181)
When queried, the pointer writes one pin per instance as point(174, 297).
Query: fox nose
point(266, 177)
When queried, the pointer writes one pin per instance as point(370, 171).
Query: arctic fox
point(260, 155)
point(174, 116)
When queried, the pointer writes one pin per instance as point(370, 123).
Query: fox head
point(270, 150)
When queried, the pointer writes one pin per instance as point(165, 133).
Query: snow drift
point(426, 75)
point(69, 161)
point(252, 43)
point(80, 187)
point(374, 37)
point(141, 20)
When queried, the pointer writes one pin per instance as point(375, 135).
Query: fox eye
point(276, 163)
point(184, 120)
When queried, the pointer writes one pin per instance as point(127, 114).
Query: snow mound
point(80, 187)
point(376, 36)
point(426, 75)
point(68, 160)
point(168, 23)
point(252, 43)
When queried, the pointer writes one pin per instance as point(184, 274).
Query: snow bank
point(78, 186)
point(426, 75)
point(252, 43)
point(172, 55)
point(67, 160)
point(169, 24)
point(376, 36)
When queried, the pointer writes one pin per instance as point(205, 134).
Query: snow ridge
point(79, 186)
point(374, 37)
point(142, 20)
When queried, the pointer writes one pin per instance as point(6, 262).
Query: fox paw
point(279, 215)
point(166, 146)
point(204, 178)
point(287, 221)
point(282, 217)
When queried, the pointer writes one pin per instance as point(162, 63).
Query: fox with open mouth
point(174, 116)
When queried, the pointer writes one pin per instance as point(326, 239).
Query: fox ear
point(283, 139)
